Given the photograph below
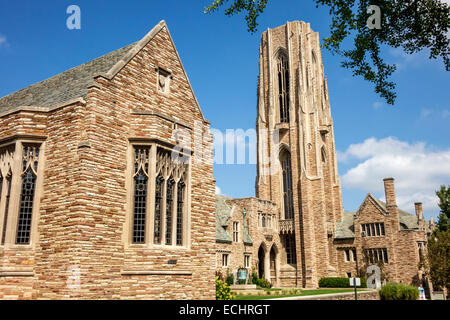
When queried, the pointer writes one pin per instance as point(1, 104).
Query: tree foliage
point(413, 25)
point(444, 203)
point(436, 261)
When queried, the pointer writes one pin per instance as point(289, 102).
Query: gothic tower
point(297, 166)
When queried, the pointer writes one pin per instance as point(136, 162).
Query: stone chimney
point(419, 214)
point(390, 192)
point(391, 203)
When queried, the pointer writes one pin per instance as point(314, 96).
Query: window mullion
point(175, 212)
point(163, 211)
point(151, 196)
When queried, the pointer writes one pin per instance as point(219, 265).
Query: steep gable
point(74, 83)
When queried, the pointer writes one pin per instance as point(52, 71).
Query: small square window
point(164, 78)
point(225, 260)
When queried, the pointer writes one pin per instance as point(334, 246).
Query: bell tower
point(297, 165)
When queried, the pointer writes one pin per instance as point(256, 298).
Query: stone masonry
point(86, 122)
point(297, 172)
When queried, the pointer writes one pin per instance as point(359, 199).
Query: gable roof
point(345, 228)
point(223, 214)
point(74, 83)
point(63, 87)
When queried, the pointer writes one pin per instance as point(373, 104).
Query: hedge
point(396, 291)
point(339, 283)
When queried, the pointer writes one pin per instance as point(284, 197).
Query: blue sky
point(409, 141)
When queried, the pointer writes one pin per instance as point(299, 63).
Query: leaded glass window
point(283, 87)
point(169, 210)
point(7, 197)
point(287, 185)
point(180, 212)
point(289, 243)
point(140, 181)
point(29, 175)
point(158, 208)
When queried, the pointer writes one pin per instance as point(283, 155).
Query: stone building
point(96, 201)
point(297, 231)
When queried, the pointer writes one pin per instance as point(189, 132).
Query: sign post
point(355, 282)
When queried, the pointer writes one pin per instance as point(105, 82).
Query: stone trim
point(43, 109)
point(16, 273)
point(156, 273)
point(156, 114)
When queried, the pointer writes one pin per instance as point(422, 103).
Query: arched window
point(158, 208)
point(283, 87)
point(169, 209)
point(29, 175)
point(289, 244)
point(180, 212)
point(323, 154)
point(7, 196)
point(141, 175)
point(285, 159)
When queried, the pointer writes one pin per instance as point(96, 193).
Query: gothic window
point(160, 181)
point(29, 175)
point(283, 87)
point(169, 210)
point(7, 198)
point(263, 220)
point(323, 154)
point(141, 178)
point(289, 244)
point(180, 212)
point(158, 209)
point(285, 159)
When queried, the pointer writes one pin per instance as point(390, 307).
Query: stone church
point(103, 195)
point(295, 230)
point(93, 203)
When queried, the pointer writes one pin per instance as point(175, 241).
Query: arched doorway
point(261, 259)
point(274, 265)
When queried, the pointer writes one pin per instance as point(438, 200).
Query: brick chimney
point(419, 214)
point(390, 192)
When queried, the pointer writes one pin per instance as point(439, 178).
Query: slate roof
point(223, 214)
point(64, 86)
point(345, 228)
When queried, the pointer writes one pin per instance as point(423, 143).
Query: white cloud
point(377, 105)
point(445, 113)
point(418, 170)
point(425, 112)
point(3, 41)
point(218, 191)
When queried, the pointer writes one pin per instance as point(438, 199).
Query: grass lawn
point(302, 294)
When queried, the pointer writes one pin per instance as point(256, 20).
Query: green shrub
point(339, 283)
point(223, 290)
point(263, 283)
point(254, 278)
point(230, 279)
point(396, 291)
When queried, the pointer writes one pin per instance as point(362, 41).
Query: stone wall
point(85, 205)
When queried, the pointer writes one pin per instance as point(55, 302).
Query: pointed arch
point(287, 186)
point(283, 80)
